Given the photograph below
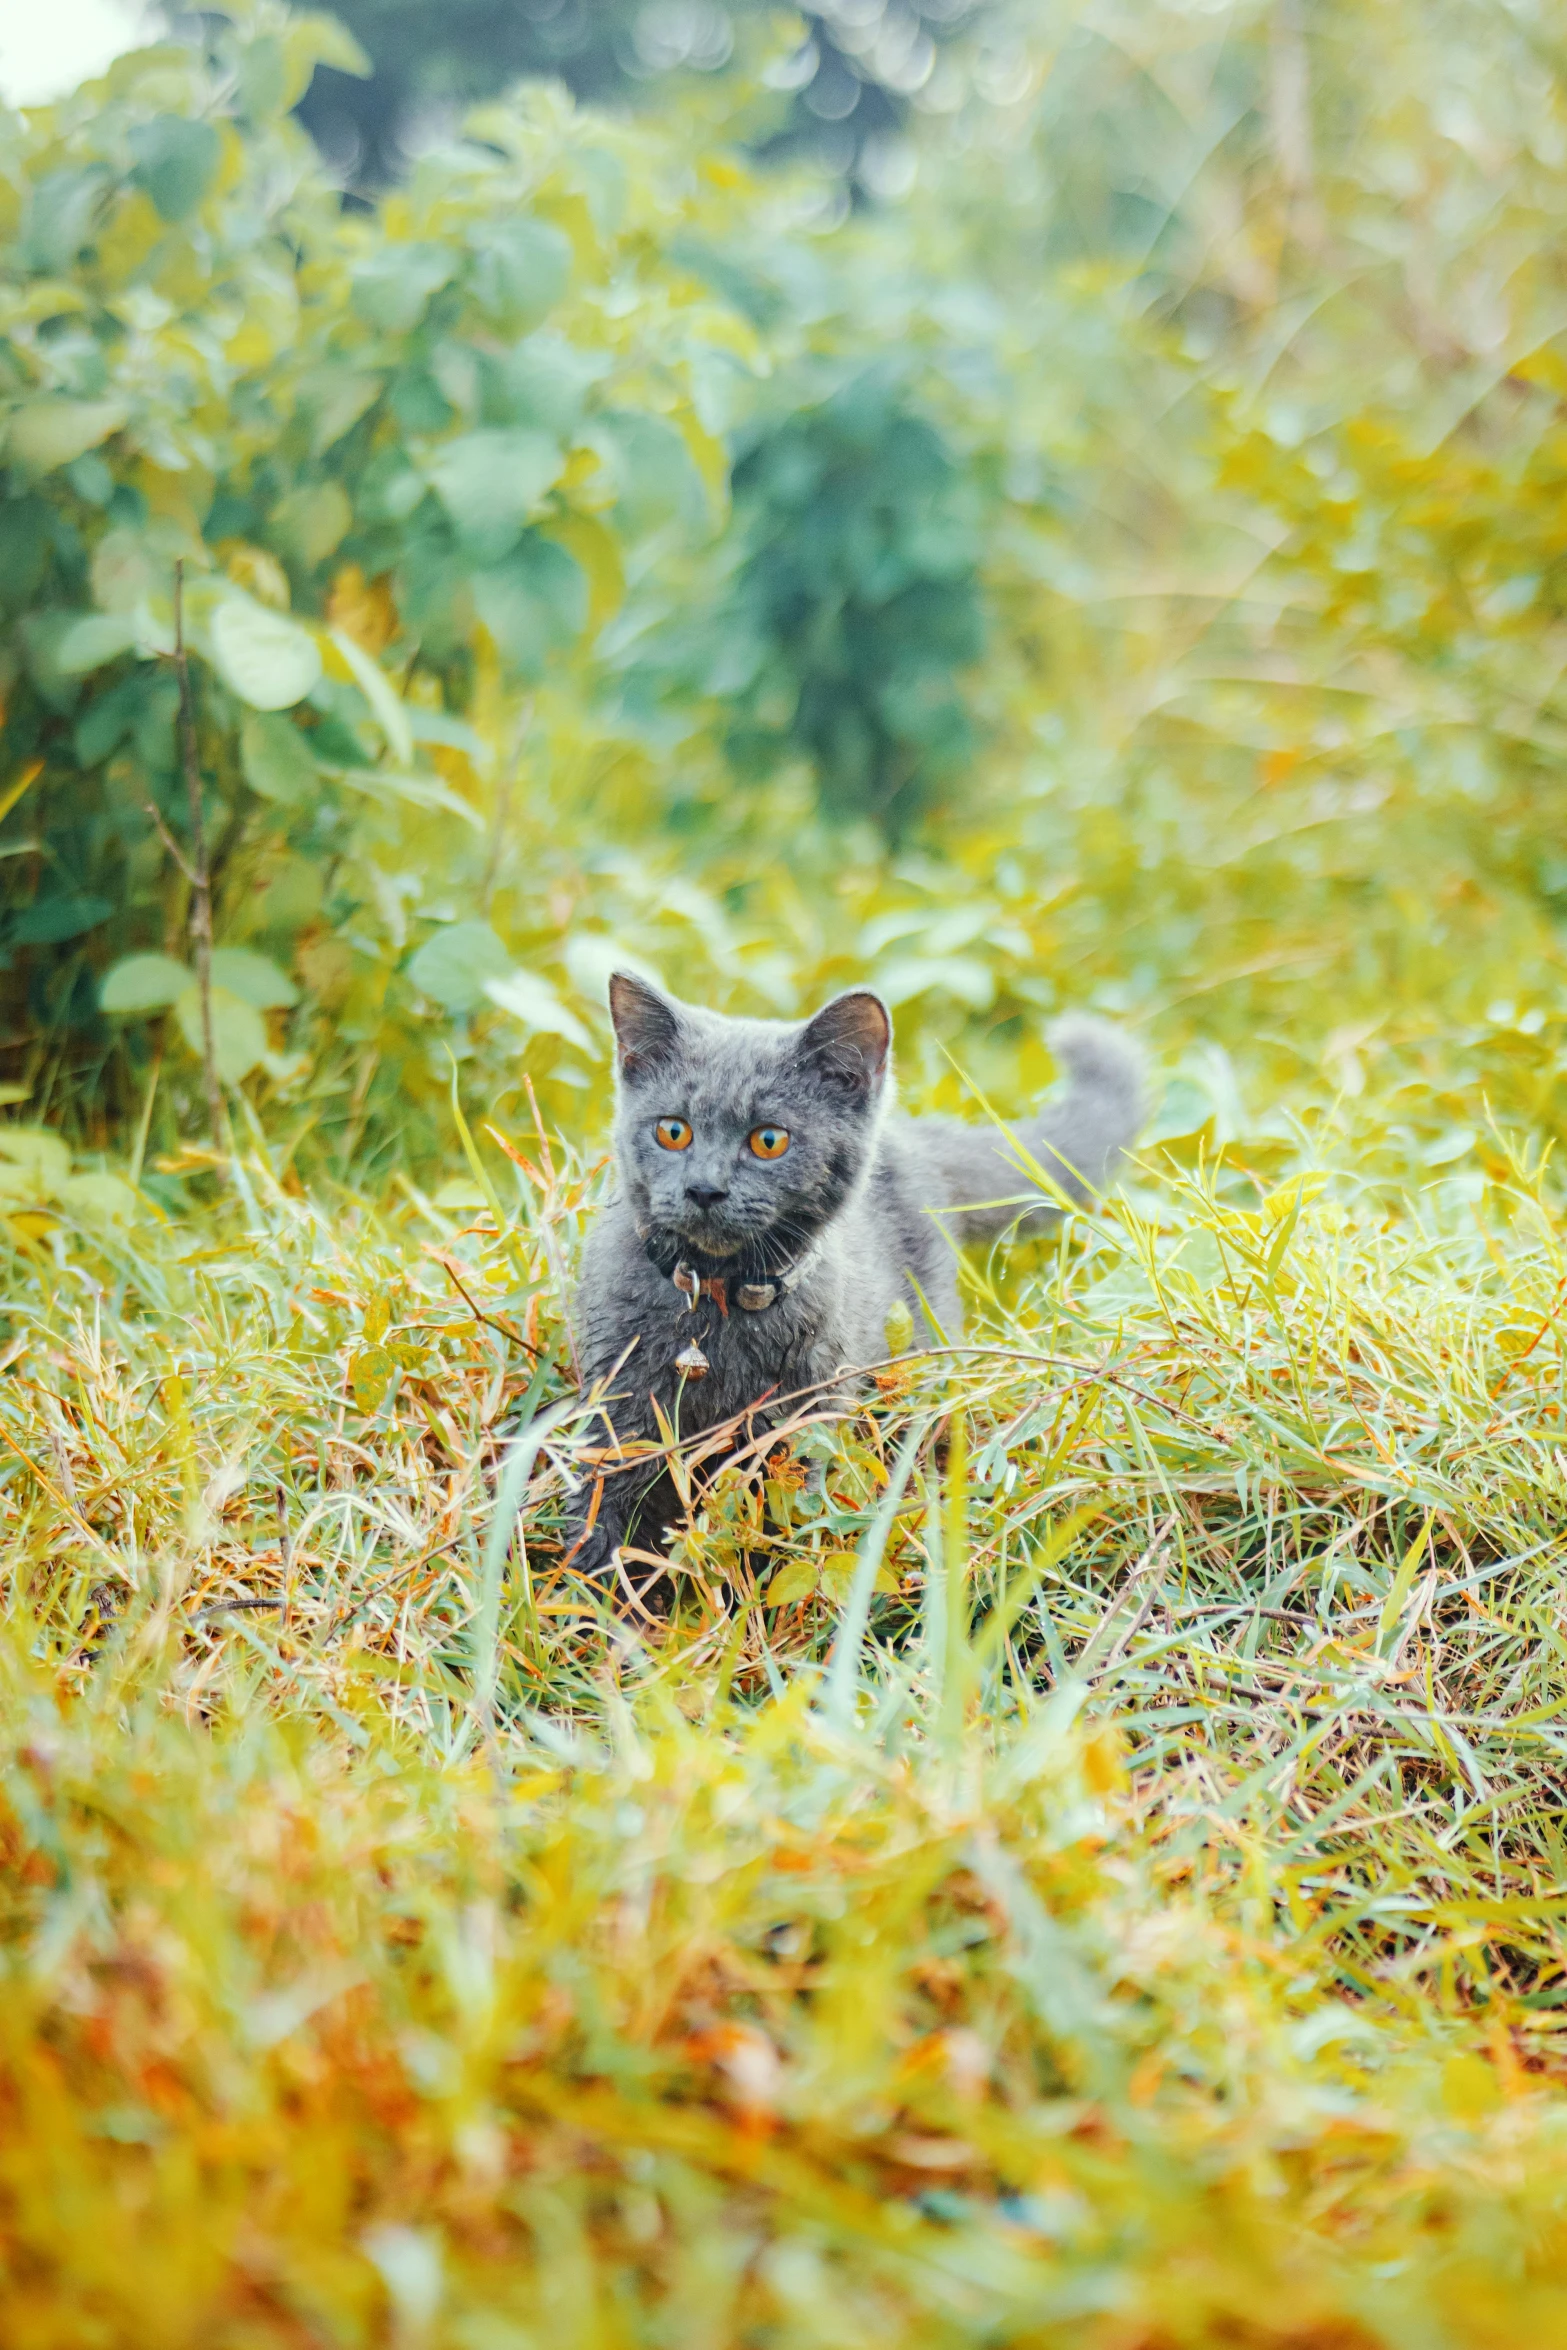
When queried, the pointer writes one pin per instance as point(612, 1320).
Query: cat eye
point(768, 1142)
point(674, 1134)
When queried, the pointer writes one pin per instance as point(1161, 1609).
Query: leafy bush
point(843, 90)
point(856, 603)
point(402, 459)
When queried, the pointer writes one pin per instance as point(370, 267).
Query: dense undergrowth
point(1080, 1860)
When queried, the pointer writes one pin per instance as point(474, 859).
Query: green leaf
point(392, 287)
point(521, 269)
point(138, 701)
point(534, 1002)
point(277, 759)
point(92, 641)
point(370, 1374)
point(315, 39)
point(175, 161)
point(37, 1149)
point(964, 976)
point(385, 707)
point(239, 1036)
point(264, 657)
point(311, 522)
point(415, 791)
point(48, 921)
point(653, 470)
point(108, 1197)
point(254, 978)
point(142, 983)
point(535, 604)
point(454, 966)
point(491, 483)
point(62, 215)
point(48, 432)
point(545, 382)
point(796, 1580)
point(334, 398)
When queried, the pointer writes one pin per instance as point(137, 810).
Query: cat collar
point(752, 1297)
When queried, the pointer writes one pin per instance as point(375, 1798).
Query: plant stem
point(144, 1124)
point(200, 874)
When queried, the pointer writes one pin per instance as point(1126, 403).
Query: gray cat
point(772, 1207)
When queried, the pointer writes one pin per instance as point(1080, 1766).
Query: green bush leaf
point(263, 656)
point(534, 1002)
point(311, 522)
point(239, 1036)
point(254, 978)
point(392, 287)
point(92, 641)
point(277, 759)
point(491, 484)
point(653, 471)
point(175, 161)
point(385, 707)
point(41, 1152)
point(48, 921)
point(454, 966)
point(334, 398)
point(545, 382)
point(521, 269)
point(107, 1197)
point(47, 433)
point(535, 604)
point(62, 215)
point(143, 983)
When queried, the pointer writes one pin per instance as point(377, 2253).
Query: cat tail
point(1079, 1139)
point(1076, 1140)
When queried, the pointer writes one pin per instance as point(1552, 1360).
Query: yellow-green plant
point(402, 458)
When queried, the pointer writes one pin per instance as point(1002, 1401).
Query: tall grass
point(1079, 1861)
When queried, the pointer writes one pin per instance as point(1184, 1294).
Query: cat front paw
point(592, 1553)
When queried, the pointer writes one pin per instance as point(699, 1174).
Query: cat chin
point(708, 1245)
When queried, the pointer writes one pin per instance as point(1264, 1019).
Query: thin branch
point(169, 841)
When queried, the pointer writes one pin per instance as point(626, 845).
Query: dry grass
point(1080, 1862)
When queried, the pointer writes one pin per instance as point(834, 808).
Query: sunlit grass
point(1079, 1859)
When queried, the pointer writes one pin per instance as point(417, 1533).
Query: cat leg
point(632, 1506)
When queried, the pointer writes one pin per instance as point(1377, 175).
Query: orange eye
point(768, 1142)
point(674, 1134)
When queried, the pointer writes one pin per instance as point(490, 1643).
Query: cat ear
point(647, 1026)
point(850, 1039)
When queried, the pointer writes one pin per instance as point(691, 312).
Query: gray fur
point(850, 1202)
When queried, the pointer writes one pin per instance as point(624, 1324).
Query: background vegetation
point(1086, 1863)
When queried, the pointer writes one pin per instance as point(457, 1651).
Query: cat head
point(740, 1139)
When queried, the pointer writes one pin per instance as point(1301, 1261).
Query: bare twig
point(169, 841)
point(197, 871)
point(285, 1544)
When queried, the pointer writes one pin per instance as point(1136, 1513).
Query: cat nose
point(705, 1195)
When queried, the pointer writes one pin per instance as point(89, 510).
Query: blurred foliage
point(856, 604)
point(1150, 521)
point(402, 459)
point(842, 88)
